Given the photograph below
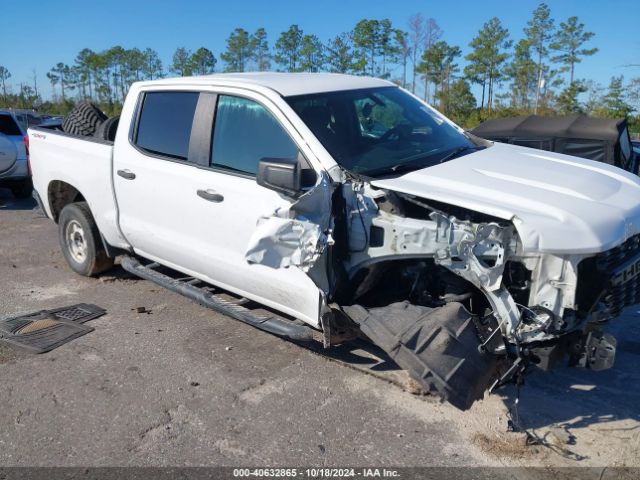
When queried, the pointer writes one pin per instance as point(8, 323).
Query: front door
point(193, 202)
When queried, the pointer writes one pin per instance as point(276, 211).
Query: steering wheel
point(401, 131)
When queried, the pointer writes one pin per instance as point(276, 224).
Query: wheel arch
point(59, 195)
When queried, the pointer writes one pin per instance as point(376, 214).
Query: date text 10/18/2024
point(315, 472)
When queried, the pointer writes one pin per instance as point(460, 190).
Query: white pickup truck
point(346, 206)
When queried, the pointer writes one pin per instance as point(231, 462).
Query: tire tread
point(83, 120)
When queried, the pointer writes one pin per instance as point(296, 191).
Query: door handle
point(210, 195)
point(128, 174)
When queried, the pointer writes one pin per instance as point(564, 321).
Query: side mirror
point(280, 174)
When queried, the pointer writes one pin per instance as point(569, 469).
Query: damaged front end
point(447, 292)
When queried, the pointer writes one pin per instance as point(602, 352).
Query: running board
point(203, 295)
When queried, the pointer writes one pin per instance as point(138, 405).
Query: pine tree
point(404, 52)
point(567, 102)
point(85, 67)
point(432, 33)
point(181, 62)
point(4, 76)
point(615, 101)
point(152, 67)
point(260, 49)
point(568, 42)
point(203, 61)
point(339, 54)
point(387, 47)
point(366, 39)
point(458, 100)
point(438, 63)
point(540, 32)
point(416, 41)
point(239, 51)
point(521, 72)
point(288, 48)
point(487, 58)
point(60, 74)
point(311, 54)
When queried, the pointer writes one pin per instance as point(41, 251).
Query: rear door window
point(245, 132)
point(8, 126)
point(164, 126)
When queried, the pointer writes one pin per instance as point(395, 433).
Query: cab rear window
point(8, 126)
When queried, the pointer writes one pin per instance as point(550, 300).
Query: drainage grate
point(45, 330)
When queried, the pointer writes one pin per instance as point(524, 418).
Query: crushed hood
point(558, 203)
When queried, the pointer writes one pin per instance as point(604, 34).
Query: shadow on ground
point(8, 202)
point(578, 398)
point(565, 397)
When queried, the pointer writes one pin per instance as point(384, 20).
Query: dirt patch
point(511, 445)
point(10, 354)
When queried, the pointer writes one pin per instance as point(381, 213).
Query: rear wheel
point(80, 241)
point(22, 188)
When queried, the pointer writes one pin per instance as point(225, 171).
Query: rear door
point(153, 174)
point(188, 198)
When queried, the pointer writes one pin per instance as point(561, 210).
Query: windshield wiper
point(457, 152)
point(400, 167)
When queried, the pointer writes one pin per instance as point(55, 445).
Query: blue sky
point(56, 30)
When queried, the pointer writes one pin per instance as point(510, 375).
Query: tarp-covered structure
point(601, 139)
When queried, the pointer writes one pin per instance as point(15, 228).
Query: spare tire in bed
point(107, 129)
point(83, 120)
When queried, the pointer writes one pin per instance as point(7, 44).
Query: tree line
point(535, 73)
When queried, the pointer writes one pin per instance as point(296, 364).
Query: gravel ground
point(183, 385)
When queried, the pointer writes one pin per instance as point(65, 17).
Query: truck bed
point(59, 160)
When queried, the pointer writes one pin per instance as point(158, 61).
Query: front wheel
point(80, 241)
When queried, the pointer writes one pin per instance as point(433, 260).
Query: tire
point(80, 241)
point(437, 346)
point(107, 129)
point(83, 120)
point(22, 189)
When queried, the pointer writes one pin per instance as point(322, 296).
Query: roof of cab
point(286, 84)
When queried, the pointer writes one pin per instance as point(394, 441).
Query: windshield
point(380, 131)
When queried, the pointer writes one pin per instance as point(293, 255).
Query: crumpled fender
point(296, 236)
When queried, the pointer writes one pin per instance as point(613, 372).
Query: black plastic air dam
point(437, 346)
point(274, 325)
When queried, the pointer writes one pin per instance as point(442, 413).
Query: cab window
point(245, 132)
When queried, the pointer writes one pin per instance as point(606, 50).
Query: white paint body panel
point(559, 204)
point(84, 164)
point(286, 84)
